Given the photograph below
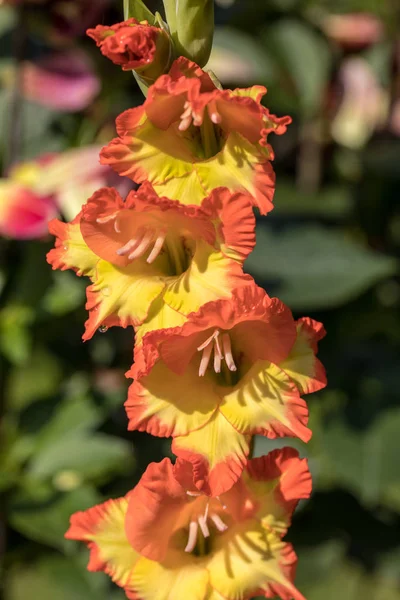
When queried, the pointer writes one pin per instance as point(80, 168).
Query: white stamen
point(218, 522)
point(144, 244)
point(217, 361)
point(212, 337)
point(226, 342)
point(157, 248)
point(205, 359)
point(194, 494)
point(192, 539)
point(203, 526)
point(107, 219)
point(129, 245)
point(218, 349)
point(185, 124)
point(116, 225)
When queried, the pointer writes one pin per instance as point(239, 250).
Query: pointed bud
point(191, 23)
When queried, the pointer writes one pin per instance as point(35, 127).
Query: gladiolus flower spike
point(216, 359)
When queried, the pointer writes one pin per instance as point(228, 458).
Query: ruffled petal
point(235, 222)
point(241, 167)
point(103, 529)
point(302, 366)
point(265, 401)
point(71, 251)
point(217, 452)
point(164, 404)
point(260, 327)
point(291, 482)
point(248, 559)
point(121, 296)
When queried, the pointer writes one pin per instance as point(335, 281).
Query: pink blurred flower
point(23, 213)
point(354, 30)
point(364, 106)
point(64, 81)
point(36, 191)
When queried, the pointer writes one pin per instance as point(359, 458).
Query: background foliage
point(329, 249)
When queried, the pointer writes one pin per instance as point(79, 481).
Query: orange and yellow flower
point(190, 137)
point(135, 46)
point(262, 362)
point(152, 259)
point(166, 541)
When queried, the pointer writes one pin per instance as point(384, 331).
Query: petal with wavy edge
point(302, 366)
point(123, 294)
point(103, 529)
point(217, 452)
point(266, 401)
point(70, 251)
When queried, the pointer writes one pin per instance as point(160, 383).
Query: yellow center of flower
point(220, 344)
point(204, 123)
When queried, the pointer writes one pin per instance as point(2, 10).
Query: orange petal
point(302, 366)
point(154, 508)
point(102, 528)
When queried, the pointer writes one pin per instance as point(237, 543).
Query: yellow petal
point(125, 293)
point(217, 451)
point(247, 559)
point(179, 577)
point(71, 251)
point(165, 404)
point(103, 528)
point(266, 401)
point(211, 276)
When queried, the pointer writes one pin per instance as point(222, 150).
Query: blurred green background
point(329, 249)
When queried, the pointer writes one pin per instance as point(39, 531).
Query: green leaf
point(65, 295)
point(36, 380)
point(365, 461)
point(73, 417)
point(47, 521)
point(331, 202)
point(317, 268)
point(88, 455)
point(15, 335)
point(303, 56)
point(56, 578)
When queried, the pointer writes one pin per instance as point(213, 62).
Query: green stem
point(208, 137)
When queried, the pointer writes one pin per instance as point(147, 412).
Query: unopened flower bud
point(135, 46)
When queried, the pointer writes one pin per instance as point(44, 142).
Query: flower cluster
point(216, 360)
